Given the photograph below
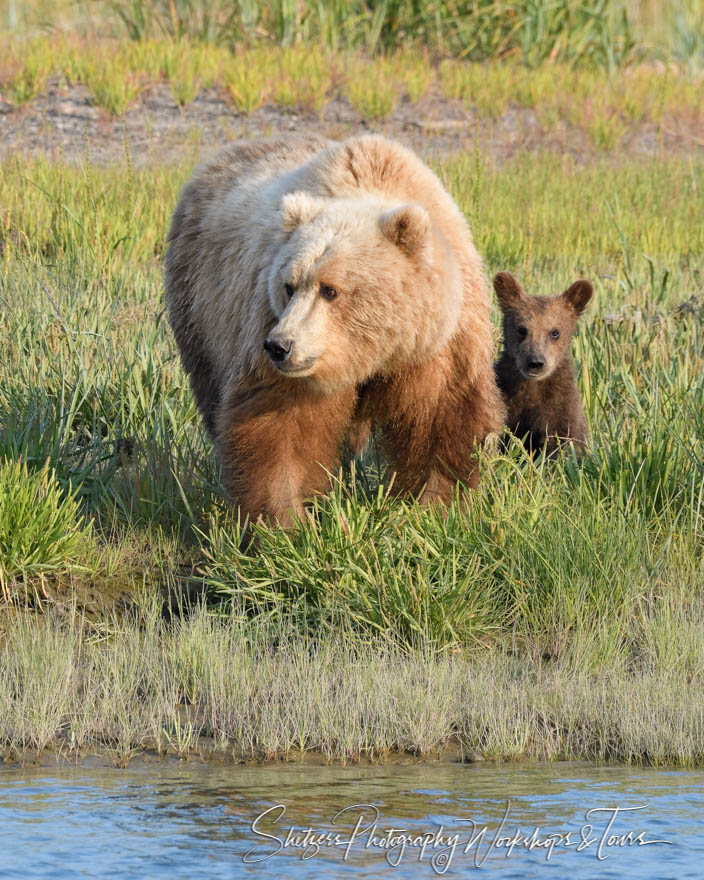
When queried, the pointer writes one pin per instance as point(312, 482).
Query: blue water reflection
point(195, 820)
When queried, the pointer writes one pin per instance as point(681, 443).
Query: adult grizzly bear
point(315, 288)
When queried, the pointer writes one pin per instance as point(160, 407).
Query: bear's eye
point(328, 292)
point(289, 290)
point(555, 333)
point(522, 332)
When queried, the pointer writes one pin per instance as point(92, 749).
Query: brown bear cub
point(535, 372)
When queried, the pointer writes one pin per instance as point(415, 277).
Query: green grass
point(371, 89)
point(573, 590)
point(113, 88)
point(41, 530)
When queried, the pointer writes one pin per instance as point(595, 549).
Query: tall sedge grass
point(538, 31)
point(604, 34)
point(120, 688)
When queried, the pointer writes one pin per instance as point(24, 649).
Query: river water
point(209, 821)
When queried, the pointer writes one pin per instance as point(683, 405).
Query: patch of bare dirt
point(64, 121)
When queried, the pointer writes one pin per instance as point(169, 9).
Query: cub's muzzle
point(535, 366)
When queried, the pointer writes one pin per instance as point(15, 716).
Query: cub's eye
point(328, 292)
point(522, 332)
point(289, 290)
point(555, 334)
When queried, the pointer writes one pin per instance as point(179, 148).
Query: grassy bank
point(555, 612)
point(220, 688)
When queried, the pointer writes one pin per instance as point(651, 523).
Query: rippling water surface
point(196, 821)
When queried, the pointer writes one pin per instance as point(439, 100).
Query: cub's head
point(358, 287)
point(538, 329)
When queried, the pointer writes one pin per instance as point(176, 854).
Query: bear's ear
point(578, 295)
point(508, 291)
point(298, 208)
point(407, 227)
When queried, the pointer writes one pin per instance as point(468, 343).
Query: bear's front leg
point(279, 443)
point(435, 428)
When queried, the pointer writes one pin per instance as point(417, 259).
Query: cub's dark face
point(537, 329)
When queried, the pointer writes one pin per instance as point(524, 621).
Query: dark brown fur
point(280, 442)
point(535, 371)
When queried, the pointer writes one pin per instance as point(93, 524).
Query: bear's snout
point(535, 365)
point(279, 350)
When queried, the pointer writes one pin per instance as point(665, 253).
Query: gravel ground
point(64, 120)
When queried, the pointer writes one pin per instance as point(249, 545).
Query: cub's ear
point(407, 227)
point(508, 291)
point(578, 295)
point(298, 208)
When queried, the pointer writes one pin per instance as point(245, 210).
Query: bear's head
point(538, 329)
point(359, 287)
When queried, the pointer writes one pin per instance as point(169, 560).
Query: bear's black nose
point(536, 365)
point(278, 351)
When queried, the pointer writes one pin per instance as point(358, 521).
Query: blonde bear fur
point(353, 260)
